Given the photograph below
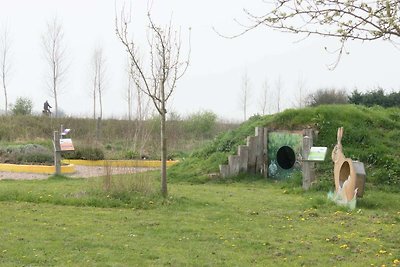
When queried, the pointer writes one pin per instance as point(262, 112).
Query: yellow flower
point(396, 261)
point(382, 251)
point(344, 246)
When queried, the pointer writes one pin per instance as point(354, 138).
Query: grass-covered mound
point(371, 135)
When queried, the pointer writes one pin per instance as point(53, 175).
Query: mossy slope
point(371, 135)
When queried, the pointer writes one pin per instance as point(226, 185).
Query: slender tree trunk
point(94, 95)
point(55, 99)
point(5, 92)
point(55, 88)
point(100, 102)
point(164, 190)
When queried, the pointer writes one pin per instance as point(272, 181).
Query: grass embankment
point(371, 135)
point(238, 224)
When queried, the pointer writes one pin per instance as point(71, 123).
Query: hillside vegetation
point(118, 139)
point(371, 135)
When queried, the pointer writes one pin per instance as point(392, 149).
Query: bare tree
point(54, 52)
point(135, 96)
point(265, 94)
point(278, 87)
point(300, 101)
point(342, 19)
point(165, 68)
point(129, 93)
point(99, 76)
point(245, 94)
point(5, 64)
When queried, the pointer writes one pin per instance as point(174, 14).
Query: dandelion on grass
point(382, 251)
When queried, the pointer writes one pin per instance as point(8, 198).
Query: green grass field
point(61, 222)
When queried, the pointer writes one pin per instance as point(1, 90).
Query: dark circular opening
point(344, 172)
point(285, 157)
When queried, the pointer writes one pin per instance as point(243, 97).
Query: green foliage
point(26, 154)
point(130, 154)
point(22, 106)
point(375, 97)
point(201, 124)
point(117, 137)
point(193, 169)
point(88, 153)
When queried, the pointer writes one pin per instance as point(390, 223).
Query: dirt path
point(81, 172)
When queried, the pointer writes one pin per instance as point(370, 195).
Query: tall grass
point(122, 186)
point(116, 137)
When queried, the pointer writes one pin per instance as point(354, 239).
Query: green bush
point(87, 153)
point(130, 154)
point(26, 154)
point(201, 124)
point(22, 106)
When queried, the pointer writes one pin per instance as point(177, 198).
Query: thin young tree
point(341, 19)
point(159, 79)
point(5, 67)
point(129, 96)
point(135, 97)
point(265, 94)
point(301, 84)
point(278, 87)
point(54, 52)
point(99, 80)
point(245, 94)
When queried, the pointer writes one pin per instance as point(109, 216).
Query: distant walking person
point(46, 107)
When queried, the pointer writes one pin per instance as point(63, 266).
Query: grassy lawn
point(51, 223)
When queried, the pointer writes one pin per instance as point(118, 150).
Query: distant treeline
point(377, 97)
point(371, 98)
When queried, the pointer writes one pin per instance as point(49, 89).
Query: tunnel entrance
point(284, 148)
point(286, 157)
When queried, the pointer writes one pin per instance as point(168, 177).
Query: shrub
point(22, 106)
point(26, 154)
point(201, 124)
point(375, 97)
point(130, 154)
point(327, 96)
point(88, 153)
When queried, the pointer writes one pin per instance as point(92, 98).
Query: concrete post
point(259, 132)
point(57, 153)
point(224, 170)
point(243, 152)
point(234, 163)
point(252, 144)
point(265, 152)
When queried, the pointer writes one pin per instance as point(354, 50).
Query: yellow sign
point(66, 144)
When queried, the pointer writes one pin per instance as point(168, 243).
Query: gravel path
point(81, 172)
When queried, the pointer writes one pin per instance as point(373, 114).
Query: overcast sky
point(214, 79)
